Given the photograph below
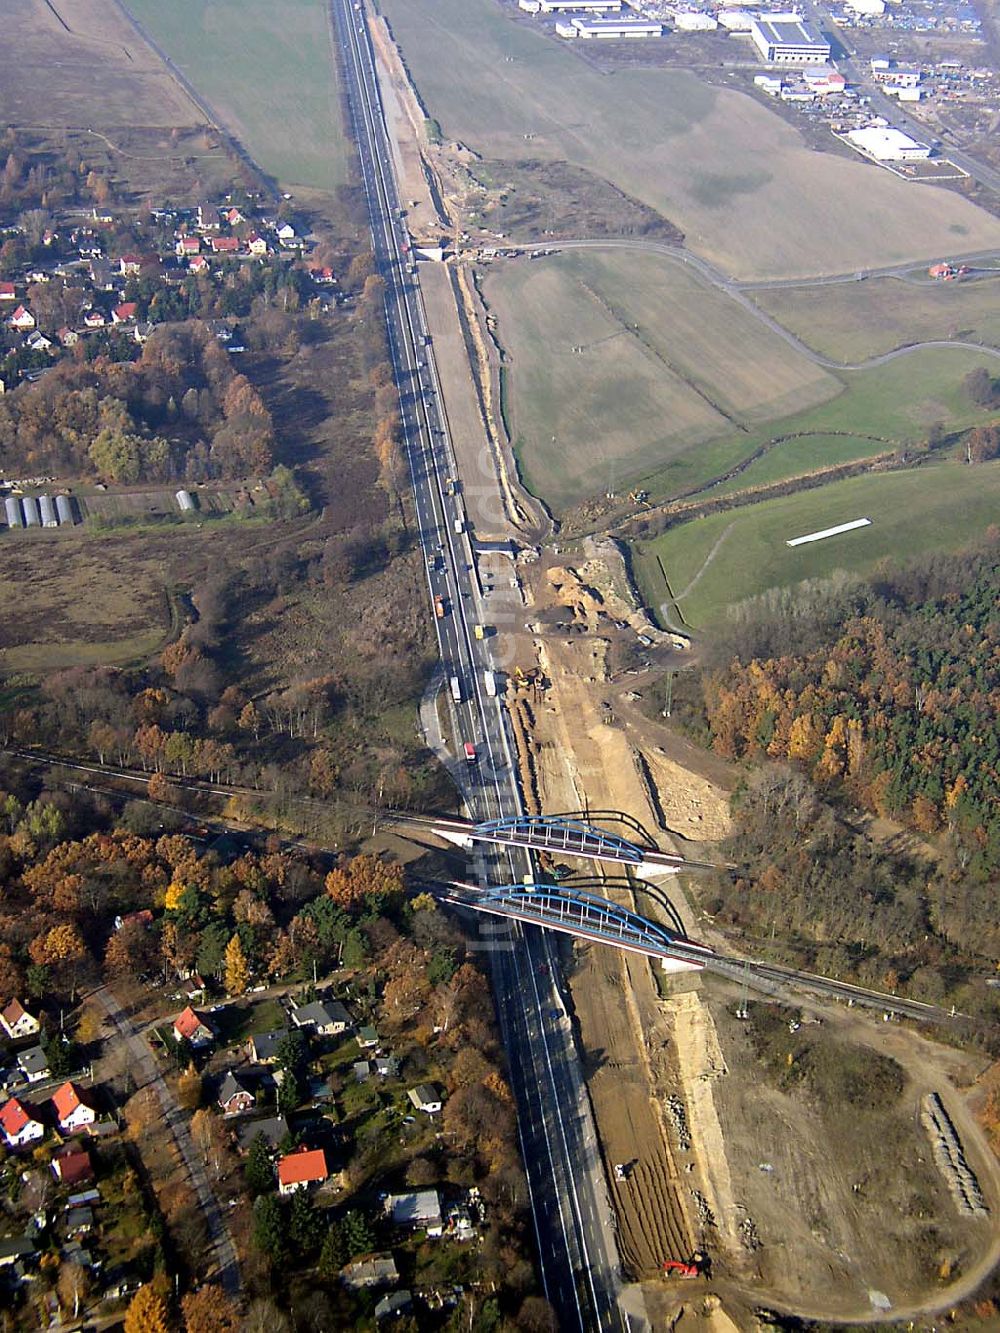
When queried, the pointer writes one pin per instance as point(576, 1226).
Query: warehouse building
point(580, 6)
point(786, 39)
point(886, 144)
point(615, 29)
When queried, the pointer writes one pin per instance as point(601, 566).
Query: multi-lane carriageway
point(572, 1217)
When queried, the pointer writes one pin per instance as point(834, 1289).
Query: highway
point(575, 1231)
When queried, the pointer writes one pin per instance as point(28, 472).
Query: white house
point(72, 1112)
point(426, 1097)
point(17, 1022)
point(18, 1125)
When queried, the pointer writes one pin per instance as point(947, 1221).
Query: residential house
point(33, 1064)
point(124, 312)
point(22, 319)
point(286, 234)
point(72, 1166)
point(18, 1125)
point(188, 246)
point(7, 292)
point(263, 1047)
point(93, 319)
point(362, 1071)
point(16, 1250)
point(17, 1022)
point(378, 1271)
point(79, 1221)
point(221, 329)
point(38, 342)
point(256, 245)
point(387, 1067)
point(225, 245)
point(422, 1208)
point(208, 217)
point(394, 1306)
point(323, 275)
point(191, 1027)
point(426, 1097)
point(130, 265)
point(72, 1112)
point(198, 265)
point(235, 1097)
point(68, 337)
point(233, 216)
point(143, 331)
point(328, 1018)
point(102, 275)
point(367, 1038)
point(274, 1131)
point(301, 1169)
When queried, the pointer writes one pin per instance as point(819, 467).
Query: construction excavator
point(699, 1265)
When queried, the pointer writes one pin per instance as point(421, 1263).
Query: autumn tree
point(237, 968)
point(147, 1312)
point(365, 881)
point(209, 1310)
point(72, 1286)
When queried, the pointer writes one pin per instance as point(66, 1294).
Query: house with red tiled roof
point(199, 264)
point(301, 1169)
point(22, 318)
point(225, 245)
point(72, 1112)
point(188, 245)
point(124, 312)
point(17, 1022)
point(130, 265)
point(18, 1125)
point(94, 319)
point(72, 1165)
point(7, 292)
point(324, 275)
point(189, 1026)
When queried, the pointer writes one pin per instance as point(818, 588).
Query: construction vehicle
point(439, 606)
point(479, 631)
point(697, 1266)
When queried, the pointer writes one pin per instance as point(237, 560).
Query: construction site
point(734, 1187)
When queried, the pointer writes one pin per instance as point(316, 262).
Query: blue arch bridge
point(575, 834)
point(583, 915)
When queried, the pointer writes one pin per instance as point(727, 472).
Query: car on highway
point(470, 752)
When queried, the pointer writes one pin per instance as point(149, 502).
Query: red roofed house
point(22, 318)
point(199, 264)
point(302, 1168)
point(72, 1166)
point(94, 319)
point(17, 1022)
point(256, 244)
point(191, 1027)
point(130, 265)
point(19, 1126)
point(72, 1112)
point(144, 917)
point(225, 245)
point(322, 275)
point(188, 245)
point(234, 217)
point(7, 292)
point(124, 312)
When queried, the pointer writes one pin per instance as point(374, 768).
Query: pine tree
point(259, 1171)
point(333, 1255)
point(237, 968)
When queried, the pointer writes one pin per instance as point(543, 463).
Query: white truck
point(456, 689)
point(490, 681)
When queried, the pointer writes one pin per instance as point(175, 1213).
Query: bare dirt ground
point(67, 51)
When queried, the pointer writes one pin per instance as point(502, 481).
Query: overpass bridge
point(574, 834)
point(582, 915)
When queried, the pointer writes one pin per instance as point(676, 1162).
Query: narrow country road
point(148, 1075)
point(736, 291)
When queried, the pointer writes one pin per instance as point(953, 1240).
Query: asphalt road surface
point(574, 1225)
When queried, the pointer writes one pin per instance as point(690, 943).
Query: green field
point(266, 69)
point(937, 507)
point(624, 369)
point(734, 176)
point(854, 321)
point(622, 361)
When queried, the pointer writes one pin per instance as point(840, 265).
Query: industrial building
point(580, 6)
point(615, 29)
point(886, 144)
point(693, 20)
point(787, 39)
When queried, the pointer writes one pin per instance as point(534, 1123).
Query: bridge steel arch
point(561, 833)
point(583, 915)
